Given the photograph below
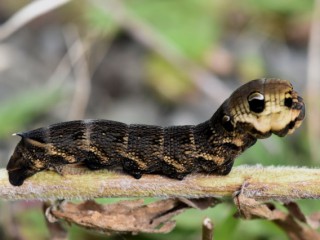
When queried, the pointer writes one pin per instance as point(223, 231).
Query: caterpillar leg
point(93, 163)
point(208, 166)
point(131, 167)
point(171, 172)
point(225, 168)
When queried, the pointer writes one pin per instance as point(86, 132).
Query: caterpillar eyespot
point(226, 123)
point(288, 102)
point(256, 102)
point(255, 110)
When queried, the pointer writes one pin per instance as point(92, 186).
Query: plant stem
point(260, 183)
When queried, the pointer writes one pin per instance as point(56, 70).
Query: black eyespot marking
point(226, 123)
point(291, 125)
point(288, 102)
point(256, 102)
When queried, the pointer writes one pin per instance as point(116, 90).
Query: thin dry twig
point(56, 229)
point(27, 14)
point(82, 75)
point(207, 229)
point(262, 183)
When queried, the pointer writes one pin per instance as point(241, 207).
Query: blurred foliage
point(192, 26)
point(251, 66)
point(20, 110)
point(195, 27)
point(280, 7)
point(99, 21)
point(275, 151)
point(33, 224)
point(174, 84)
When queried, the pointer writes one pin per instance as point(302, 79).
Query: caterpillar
point(255, 110)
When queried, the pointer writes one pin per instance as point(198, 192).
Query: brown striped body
point(255, 110)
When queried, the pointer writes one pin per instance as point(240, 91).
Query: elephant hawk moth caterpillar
point(255, 110)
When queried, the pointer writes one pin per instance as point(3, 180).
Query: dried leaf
point(200, 203)
point(249, 208)
point(124, 216)
point(295, 211)
point(293, 222)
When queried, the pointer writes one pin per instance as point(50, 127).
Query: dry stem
point(260, 183)
point(207, 229)
point(28, 13)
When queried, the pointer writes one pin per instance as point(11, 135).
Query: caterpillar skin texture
point(255, 110)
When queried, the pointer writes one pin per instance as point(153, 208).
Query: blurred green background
point(155, 62)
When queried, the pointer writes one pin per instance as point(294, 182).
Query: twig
point(56, 229)
point(27, 14)
point(82, 87)
point(207, 229)
point(262, 183)
point(313, 83)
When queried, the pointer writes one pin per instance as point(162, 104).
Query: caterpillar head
point(262, 107)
